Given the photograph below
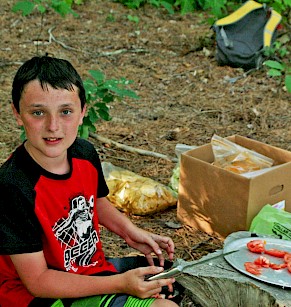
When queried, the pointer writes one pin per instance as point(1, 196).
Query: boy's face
point(50, 118)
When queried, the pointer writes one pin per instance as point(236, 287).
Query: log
point(217, 284)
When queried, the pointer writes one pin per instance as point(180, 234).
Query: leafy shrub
point(280, 71)
point(218, 8)
point(62, 7)
point(99, 93)
point(281, 6)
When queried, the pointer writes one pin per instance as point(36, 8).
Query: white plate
point(275, 277)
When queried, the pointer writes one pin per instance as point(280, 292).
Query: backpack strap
point(239, 13)
point(270, 27)
point(227, 42)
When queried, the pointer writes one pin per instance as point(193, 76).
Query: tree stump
point(217, 284)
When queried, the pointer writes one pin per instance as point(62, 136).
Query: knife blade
point(180, 268)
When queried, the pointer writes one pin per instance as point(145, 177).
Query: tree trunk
point(217, 284)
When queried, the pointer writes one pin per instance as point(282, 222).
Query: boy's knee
point(163, 303)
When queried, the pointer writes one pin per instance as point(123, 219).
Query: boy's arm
point(144, 241)
point(113, 219)
point(44, 282)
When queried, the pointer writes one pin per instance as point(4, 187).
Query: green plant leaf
point(168, 7)
point(86, 127)
point(117, 91)
point(274, 64)
point(102, 106)
point(274, 73)
point(93, 116)
point(89, 86)
point(133, 18)
point(26, 7)
point(84, 133)
point(100, 92)
point(109, 84)
point(216, 7)
point(129, 93)
point(288, 83)
point(110, 18)
point(155, 3)
point(23, 134)
point(41, 9)
point(133, 4)
point(187, 7)
point(108, 97)
point(97, 75)
point(62, 8)
point(104, 115)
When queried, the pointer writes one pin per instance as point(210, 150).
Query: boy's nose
point(53, 123)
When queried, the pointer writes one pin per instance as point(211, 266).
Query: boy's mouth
point(52, 139)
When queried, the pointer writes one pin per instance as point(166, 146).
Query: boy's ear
point(16, 115)
point(82, 114)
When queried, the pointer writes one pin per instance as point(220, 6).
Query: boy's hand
point(139, 239)
point(149, 243)
point(134, 282)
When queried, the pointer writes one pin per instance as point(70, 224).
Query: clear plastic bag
point(174, 180)
point(134, 194)
point(237, 159)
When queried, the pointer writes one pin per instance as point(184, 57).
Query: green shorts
point(110, 300)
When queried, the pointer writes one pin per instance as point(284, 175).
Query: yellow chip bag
point(134, 194)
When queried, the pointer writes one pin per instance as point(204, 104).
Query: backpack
point(242, 36)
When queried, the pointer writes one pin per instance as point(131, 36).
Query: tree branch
point(132, 149)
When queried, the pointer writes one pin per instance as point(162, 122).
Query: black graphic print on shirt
point(77, 234)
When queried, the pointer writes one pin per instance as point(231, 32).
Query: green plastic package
point(272, 221)
point(57, 303)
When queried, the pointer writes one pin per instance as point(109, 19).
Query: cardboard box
point(220, 202)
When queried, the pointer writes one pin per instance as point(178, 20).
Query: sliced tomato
point(275, 252)
point(287, 257)
point(262, 261)
point(256, 246)
point(289, 266)
point(253, 268)
point(278, 266)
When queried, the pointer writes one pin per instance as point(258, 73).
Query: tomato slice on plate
point(275, 252)
point(253, 268)
point(262, 261)
point(287, 257)
point(256, 246)
point(289, 266)
point(276, 266)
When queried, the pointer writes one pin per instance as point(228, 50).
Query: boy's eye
point(67, 112)
point(38, 113)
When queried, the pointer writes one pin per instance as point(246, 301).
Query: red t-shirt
point(53, 213)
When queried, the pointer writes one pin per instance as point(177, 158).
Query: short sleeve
point(20, 231)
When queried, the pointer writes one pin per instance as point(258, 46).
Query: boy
point(53, 196)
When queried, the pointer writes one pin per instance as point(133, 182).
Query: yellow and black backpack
point(242, 36)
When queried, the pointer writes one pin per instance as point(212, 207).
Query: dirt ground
point(185, 97)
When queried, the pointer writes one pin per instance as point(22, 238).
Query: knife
point(180, 268)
